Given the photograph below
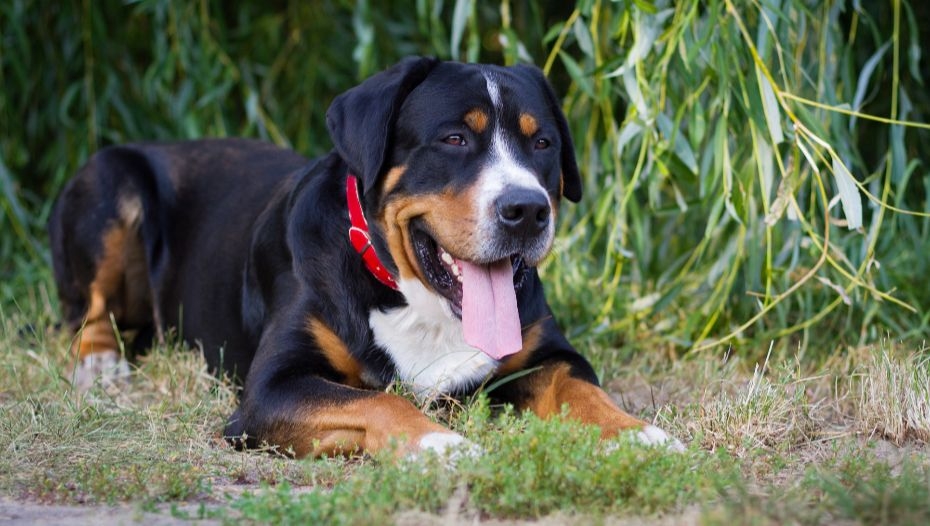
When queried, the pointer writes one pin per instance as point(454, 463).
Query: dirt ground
point(29, 514)
point(15, 513)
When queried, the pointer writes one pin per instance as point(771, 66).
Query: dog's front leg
point(568, 382)
point(315, 416)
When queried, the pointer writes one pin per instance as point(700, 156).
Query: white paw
point(106, 369)
point(654, 436)
point(451, 447)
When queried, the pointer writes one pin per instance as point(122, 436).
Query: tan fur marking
point(449, 219)
point(477, 120)
point(532, 336)
point(392, 178)
point(528, 125)
point(370, 425)
point(120, 285)
point(336, 352)
point(587, 403)
point(109, 275)
point(95, 337)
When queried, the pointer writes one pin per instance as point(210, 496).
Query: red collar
point(361, 240)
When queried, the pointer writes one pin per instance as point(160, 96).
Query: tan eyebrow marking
point(528, 124)
point(477, 120)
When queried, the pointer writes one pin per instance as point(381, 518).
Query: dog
point(407, 254)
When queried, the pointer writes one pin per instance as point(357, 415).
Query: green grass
point(531, 469)
point(711, 219)
point(770, 442)
point(860, 489)
point(851, 487)
point(115, 445)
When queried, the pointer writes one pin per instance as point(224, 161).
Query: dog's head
point(461, 165)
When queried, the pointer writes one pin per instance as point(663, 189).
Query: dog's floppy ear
point(360, 121)
point(571, 179)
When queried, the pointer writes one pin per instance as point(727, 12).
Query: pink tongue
point(489, 308)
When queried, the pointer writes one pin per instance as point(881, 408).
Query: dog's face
point(470, 163)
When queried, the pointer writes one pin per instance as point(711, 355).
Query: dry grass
point(157, 439)
point(893, 395)
point(767, 410)
point(780, 405)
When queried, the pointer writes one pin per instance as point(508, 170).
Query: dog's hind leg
point(113, 292)
point(100, 270)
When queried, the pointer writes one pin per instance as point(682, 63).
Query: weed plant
point(753, 170)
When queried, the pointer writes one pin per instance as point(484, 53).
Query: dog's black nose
point(523, 212)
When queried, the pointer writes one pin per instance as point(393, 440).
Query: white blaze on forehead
point(503, 170)
point(502, 160)
point(493, 90)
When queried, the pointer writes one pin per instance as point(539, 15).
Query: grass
point(856, 488)
point(542, 468)
point(767, 410)
point(892, 397)
point(770, 442)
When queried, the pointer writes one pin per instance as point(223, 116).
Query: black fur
point(245, 241)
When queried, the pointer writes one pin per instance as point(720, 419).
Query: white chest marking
point(425, 342)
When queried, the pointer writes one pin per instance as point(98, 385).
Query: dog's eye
point(542, 144)
point(455, 140)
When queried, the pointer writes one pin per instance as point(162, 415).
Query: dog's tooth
point(446, 258)
point(456, 271)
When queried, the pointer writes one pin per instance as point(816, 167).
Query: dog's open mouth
point(483, 296)
point(445, 272)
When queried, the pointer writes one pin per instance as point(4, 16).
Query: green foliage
point(154, 443)
point(531, 468)
point(872, 493)
point(538, 467)
point(856, 487)
point(713, 208)
point(727, 146)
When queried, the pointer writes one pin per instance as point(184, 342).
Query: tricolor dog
point(407, 255)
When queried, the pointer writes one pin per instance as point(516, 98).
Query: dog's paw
point(655, 436)
point(450, 447)
point(106, 369)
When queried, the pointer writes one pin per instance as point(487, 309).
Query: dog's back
point(151, 233)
